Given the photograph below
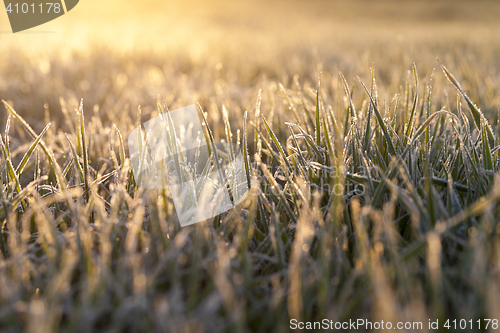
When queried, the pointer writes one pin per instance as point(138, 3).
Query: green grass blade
point(30, 151)
point(350, 110)
point(76, 159)
point(477, 115)
point(31, 132)
point(318, 126)
point(84, 152)
point(276, 142)
point(10, 168)
point(381, 122)
point(245, 149)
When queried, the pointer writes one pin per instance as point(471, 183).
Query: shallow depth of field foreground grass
point(373, 198)
point(365, 210)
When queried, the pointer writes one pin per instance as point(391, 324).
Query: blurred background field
point(113, 257)
point(122, 54)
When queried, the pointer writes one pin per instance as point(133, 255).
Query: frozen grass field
point(375, 191)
